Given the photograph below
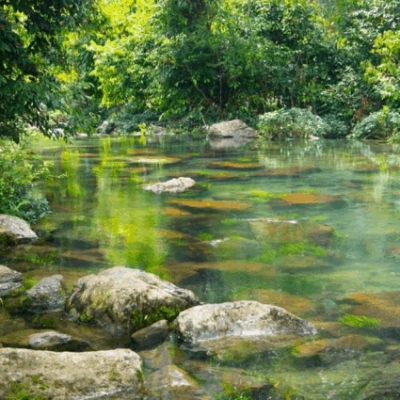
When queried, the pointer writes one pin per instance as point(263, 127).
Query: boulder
point(112, 374)
point(48, 295)
point(236, 129)
point(123, 300)
point(172, 382)
point(175, 185)
point(242, 319)
point(151, 335)
point(9, 280)
point(14, 230)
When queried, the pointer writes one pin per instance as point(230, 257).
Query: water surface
point(309, 226)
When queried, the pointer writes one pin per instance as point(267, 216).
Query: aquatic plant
point(359, 321)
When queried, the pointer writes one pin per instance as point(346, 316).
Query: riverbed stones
point(172, 382)
point(48, 295)
point(9, 280)
point(175, 185)
point(14, 230)
point(112, 374)
point(151, 335)
point(123, 300)
point(209, 323)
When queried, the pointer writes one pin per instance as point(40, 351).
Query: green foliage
point(140, 319)
point(19, 169)
point(359, 321)
point(379, 125)
point(29, 48)
point(292, 123)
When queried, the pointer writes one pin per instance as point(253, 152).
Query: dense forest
point(69, 65)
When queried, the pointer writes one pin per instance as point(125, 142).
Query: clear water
point(345, 280)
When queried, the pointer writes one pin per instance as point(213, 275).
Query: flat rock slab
point(9, 280)
point(175, 185)
point(112, 374)
point(241, 319)
point(123, 300)
point(14, 230)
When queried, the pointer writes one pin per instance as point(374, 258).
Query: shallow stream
point(309, 226)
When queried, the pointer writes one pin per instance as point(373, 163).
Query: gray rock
point(175, 185)
point(43, 340)
point(9, 280)
point(236, 129)
point(242, 319)
point(56, 341)
point(151, 335)
point(112, 374)
point(48, 295)
point(174, 383)
point(123, 300)
point(14, 230)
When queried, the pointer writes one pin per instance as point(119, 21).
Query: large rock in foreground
point(112, 374)
point(9, 280)
point(123, 300)
point(14, 230)
point(205, 324)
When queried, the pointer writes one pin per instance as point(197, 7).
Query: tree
point(29, 49)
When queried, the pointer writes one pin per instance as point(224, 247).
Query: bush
point(383, 124)
point(19, 169)
point(293, 123)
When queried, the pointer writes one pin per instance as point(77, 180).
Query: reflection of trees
point(126, 217)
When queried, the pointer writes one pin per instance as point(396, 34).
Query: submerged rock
point(344, 343)
point(48, 295)
point(207, 323)
point(212, 204)
point(172, 382)
point(309, 198)
point(112, 374)
point(9, 280)
point(14, 230)
point(241, 166)
point(285, 231)
point(123, 300)
point(175, 185)
point(292, 303)
point(44, 340)
point(380, 310)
